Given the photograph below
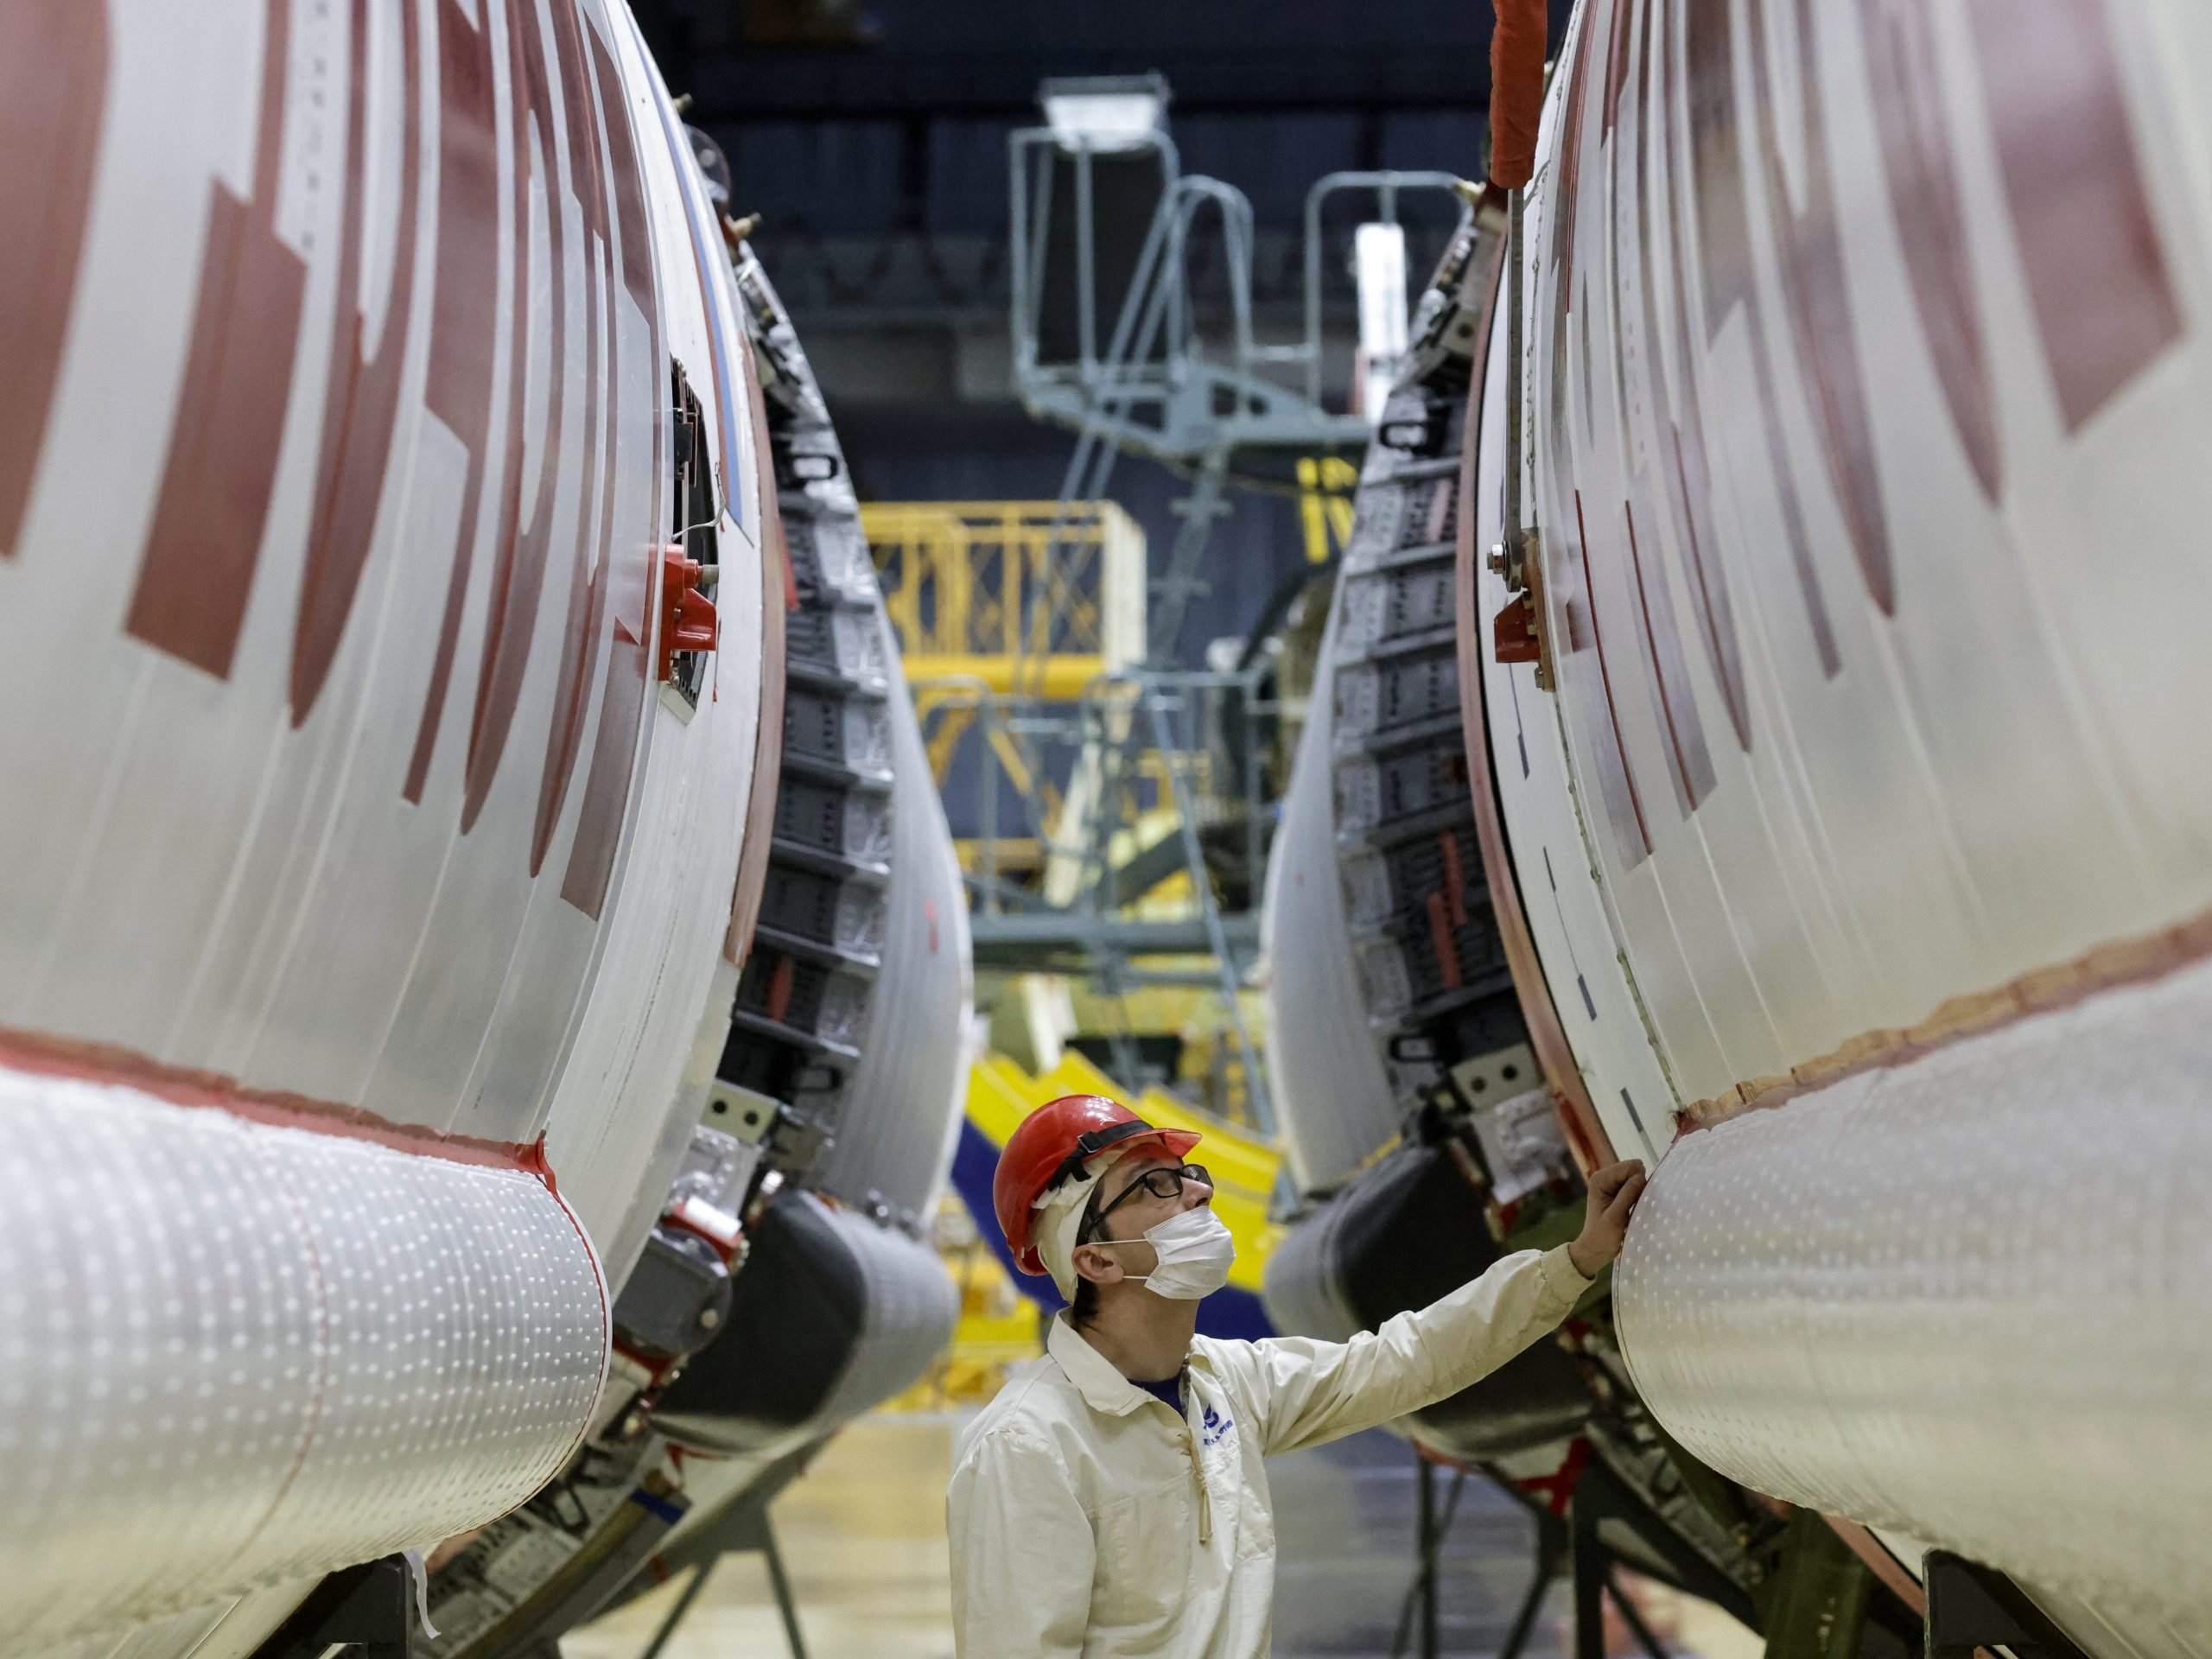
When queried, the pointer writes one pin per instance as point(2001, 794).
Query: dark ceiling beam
point(781, 87)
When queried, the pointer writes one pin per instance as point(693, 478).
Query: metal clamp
point(1972, 1606)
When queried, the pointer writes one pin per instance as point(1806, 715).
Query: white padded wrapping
point(233, 1353)
point(1969, 1297)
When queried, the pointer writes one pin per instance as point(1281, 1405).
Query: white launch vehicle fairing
point(1864, 390)
point(1832, 702)
point(392, 604)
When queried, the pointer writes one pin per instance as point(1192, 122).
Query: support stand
point(371, 1606)
point(751, 1532)
point(1972, 1606)
point(667, 1626)
point(1634, 1619)
point(1552, 1547)
point(1575, 1549)
point(1431, 1537)
point(1577, 1556)
point(1417, 1614)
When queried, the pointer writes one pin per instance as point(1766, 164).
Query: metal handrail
point(1029, 225)
point(1123, 716)
point(1385, 183)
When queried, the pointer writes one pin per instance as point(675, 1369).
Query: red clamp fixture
point(1513, 633)
point(687, 616)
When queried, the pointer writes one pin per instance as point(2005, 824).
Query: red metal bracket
point(1513, 633)
point(687, 621)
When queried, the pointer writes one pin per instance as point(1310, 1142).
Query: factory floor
point(862, 1536)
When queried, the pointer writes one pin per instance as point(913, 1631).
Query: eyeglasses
point(1161, 1183)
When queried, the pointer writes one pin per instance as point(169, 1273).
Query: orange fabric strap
point(1516, 91)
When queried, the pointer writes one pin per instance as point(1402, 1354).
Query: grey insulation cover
point(855, 1310)
point(235, 1353)
point(1964, 1298)
point(893, 1127)
point(1332, 1101)
point(1303, 1289)
point(913, 1306)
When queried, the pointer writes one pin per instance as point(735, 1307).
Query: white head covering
point(1059, 1217)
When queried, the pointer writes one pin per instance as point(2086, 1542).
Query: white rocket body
point(1868, 820)
point(358, 866)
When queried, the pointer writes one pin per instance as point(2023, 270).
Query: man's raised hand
point(1613, 1192)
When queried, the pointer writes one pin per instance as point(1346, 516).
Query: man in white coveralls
point(1111, 1500)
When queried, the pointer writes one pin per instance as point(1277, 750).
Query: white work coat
point(1086, 1518)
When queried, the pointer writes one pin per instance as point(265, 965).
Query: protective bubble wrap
point(233, 1353)
point(1969, 1297)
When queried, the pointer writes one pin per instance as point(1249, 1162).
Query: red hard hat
point(1056, 1141)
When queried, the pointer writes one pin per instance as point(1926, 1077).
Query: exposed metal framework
point(1046, 596)
point(1146, 772)
point(1154, 385)
point(1147, 776)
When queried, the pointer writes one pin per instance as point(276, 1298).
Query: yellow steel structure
point(1324, 487)
point(1015, 596)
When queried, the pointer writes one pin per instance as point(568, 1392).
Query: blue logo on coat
point(1214, 1426)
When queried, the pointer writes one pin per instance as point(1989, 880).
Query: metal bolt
point(1496, 560)
point(708, 1318)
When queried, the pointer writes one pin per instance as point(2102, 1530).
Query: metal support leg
point(1632, 1618)
point(1417, 1613)
point(1427, 1649)
point(1551, 1546)
point(782, 1586)
point(1590, 1578)
point(690, 1593)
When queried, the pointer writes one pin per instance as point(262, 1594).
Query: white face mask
point(1194, 1250)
